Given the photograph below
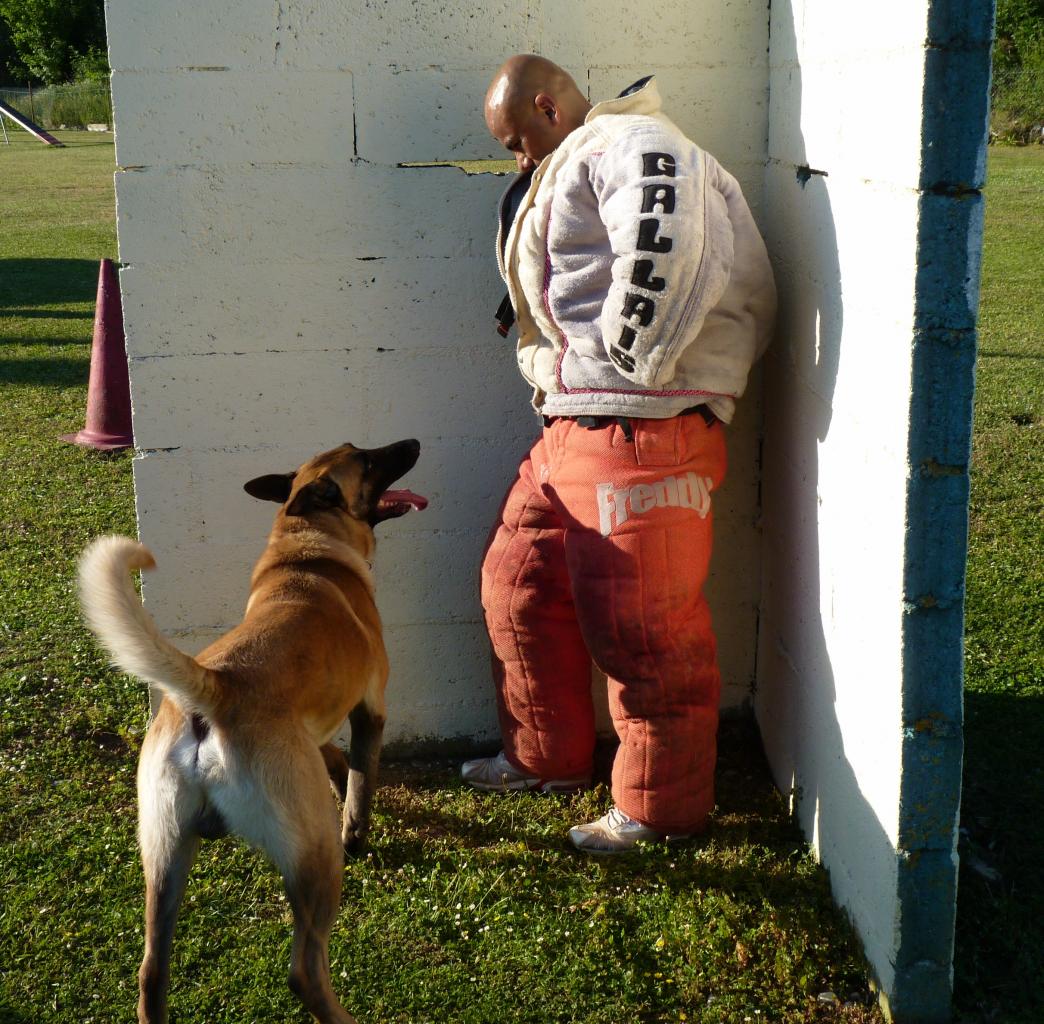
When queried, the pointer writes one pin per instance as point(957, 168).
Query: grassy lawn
point(1000, 911)
point(468, 908)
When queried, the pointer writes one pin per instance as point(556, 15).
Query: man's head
point(531, 106)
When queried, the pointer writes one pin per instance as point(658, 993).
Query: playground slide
point(21, 119)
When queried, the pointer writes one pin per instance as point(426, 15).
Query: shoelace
point(616, 818)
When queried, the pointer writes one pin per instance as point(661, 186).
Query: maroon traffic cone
point(108, 393)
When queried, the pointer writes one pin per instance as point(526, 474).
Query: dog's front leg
point(367, 731)
point(336, 768)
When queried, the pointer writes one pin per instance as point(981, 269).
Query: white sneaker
point(499, 775)
point(615, 832)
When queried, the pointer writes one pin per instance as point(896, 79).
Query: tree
point(11, 67)
point(49, 35)
point(1019, 33)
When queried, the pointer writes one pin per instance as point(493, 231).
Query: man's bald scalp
point(522, 77)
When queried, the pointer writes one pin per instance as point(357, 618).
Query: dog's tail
point(115, 613)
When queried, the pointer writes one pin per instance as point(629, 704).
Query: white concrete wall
point(863, 274)
point(287, 287)
point(844, 245)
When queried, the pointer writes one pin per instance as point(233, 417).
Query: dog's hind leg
point(367, 732)
point(168, 848)
point(312, 864)
point(314, 890)
point(278, 798)
point(164, 888)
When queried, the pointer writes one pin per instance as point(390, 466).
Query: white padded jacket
point(640, 283)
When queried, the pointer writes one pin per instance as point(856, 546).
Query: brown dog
point(240, 742)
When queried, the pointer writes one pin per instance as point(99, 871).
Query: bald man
point(642, 294)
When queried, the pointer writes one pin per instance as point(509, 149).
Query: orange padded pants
point(600, 553)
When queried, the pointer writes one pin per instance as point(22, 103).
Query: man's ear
point(547, 106)
point(321, 493)
point(272, 487)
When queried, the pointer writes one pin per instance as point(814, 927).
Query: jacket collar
point(641, 98)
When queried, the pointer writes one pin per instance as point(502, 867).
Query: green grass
point(1000, 922)
point(469, 908)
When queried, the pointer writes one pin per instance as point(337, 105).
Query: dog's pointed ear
point(321, 493)
point(271, 487)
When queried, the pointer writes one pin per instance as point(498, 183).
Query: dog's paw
point(354, 841)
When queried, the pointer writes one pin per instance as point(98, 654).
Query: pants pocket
point(657, 442)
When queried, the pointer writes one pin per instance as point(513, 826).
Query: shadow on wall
point(797, 697)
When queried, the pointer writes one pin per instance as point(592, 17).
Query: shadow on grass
point(999, 958)
point(32, 292)
point(749, 811)
point(751, 858)
point(1011, 355)
point(27, 284)
point(57, 373)
point(49, 314)
point(8, 1016)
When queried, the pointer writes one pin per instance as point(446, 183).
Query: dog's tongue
point(404, 498)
